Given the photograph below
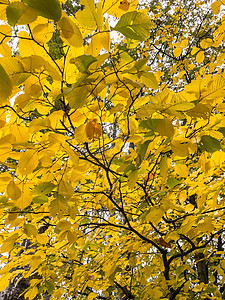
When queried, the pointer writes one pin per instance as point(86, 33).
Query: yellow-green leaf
point(148, 78)
point(18, 13)
point(134, 25)
point(132, 179)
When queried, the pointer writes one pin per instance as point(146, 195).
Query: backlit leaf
point(134, 25)
point(83, 62)
point(48, 9)
point(89, 17)
point(70, 32)
point(18, 13)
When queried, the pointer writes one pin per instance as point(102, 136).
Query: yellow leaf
point(30, 229)
point(28, 162)
point(215, 6)
point(5, 86)
point(71, 236)
point(56, 118)
point(164, 167)
point(179, 148)
point(66, 189)
point(5, 280)
point(8, 244)
point(181, 169)
point(13, 190)
point(194, 50)
point(93, 129)
point(184, 43)
point(99, 41)
point(31, 293)
point(206, 225)
point(165, 128)
point(92, 296)
point(25, 199)
point(5, 33)
point(88, 17)
point(80, 134)
point(177, 51)
point(206, 43)
point(200, 57)
point(149, 79)
point(218, 158)
point(155, 215)
point(20, 132)
point(42, 239)
point(183, 106)
point(77, 96)
point(70, 32)
point(42, 33)
point(35, 263)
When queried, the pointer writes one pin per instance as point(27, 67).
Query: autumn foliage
point(112, 149)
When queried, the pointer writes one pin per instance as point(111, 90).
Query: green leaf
point(77, 96)
point(18, 13)
point(142, 148)
point(172, 182)
point(134, 25)
point(83, 62)
point(163, 126)
point(141, 62)
point(209, 144)
point(43, 188)
point(40, 199)
point(49, 9)
point(5, 85)
point(150, 124)
point(222, 130)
